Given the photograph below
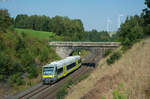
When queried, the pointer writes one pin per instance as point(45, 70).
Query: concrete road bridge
point(65, 49)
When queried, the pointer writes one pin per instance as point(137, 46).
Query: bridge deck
point(84, 44)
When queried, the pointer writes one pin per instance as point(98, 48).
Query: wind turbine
point(108, 24)
point(119, 20)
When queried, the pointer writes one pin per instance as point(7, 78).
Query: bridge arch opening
point(79, 51)
point(65, 49)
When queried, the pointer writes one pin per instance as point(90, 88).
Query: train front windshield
point(48, 70)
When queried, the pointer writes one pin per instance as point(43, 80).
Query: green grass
point(36, 34)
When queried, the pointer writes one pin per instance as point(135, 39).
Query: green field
point(37, 34)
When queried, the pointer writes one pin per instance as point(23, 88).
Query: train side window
point(59, 71)
point(71, 66)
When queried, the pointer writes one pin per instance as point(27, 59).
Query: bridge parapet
point(64, 49)
point(85, 44)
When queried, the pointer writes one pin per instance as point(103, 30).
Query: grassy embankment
point(127, 78)
point(36, 34)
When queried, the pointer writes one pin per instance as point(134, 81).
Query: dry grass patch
point(133, 70)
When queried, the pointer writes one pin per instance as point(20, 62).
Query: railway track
point(34, 92)
point(49, 91)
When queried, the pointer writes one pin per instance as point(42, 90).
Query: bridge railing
point(90, 44)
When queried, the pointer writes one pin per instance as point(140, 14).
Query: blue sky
point(93, 13)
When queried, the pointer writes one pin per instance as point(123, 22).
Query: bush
point(44, 54)
point(2, 46)
point(108, 51)
point(119, 95)
point(16, 79)
point(33, 72)
point(4, 65)
point(20, 81)
point(69, 83)
point(60, 94)
point(115, 56)
point(103, 97)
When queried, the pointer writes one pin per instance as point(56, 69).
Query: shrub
point(108, 51)
point(115, 56)
point(69, 83)
point(4, 65)
point(15, 66)
point(44, 55)
point(20, 81)
point(33, 72)
point(16, 79)
point(103, 97)
point(60, 94)
point(2, 46)
point(119, 95)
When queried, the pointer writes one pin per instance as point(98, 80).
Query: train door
point(77, 62)
point(60, 72)
point(65, 70)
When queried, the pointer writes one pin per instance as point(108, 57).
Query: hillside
point(21, 58)
point(36, 34)
point(128, 78)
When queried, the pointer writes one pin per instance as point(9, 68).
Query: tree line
point(61, 26)
point(64, 27)
point(134, 28)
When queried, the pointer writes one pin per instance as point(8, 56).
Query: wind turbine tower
point(119, 20)
point(108, 24)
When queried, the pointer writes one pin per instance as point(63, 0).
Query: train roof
point(61, 63)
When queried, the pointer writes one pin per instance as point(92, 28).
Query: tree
point(5, 20)
point(57, 25)
point(131, 31)
point(70, 29)
point(147, 2)
point(21, 21)
point(104, 36)
point(147, 17)
point(45, 22)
